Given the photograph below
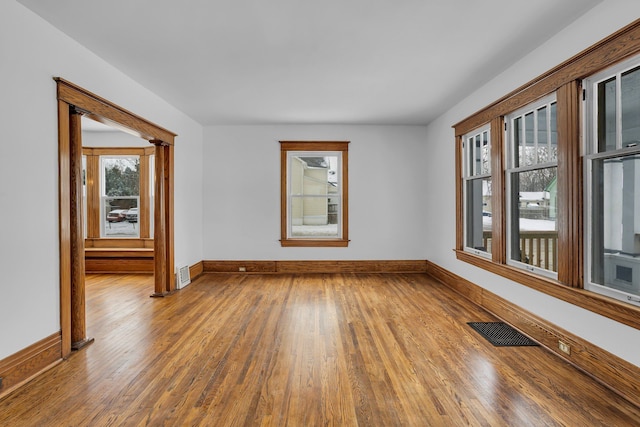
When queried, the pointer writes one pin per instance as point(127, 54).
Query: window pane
point(479, 214)
point(533, 229)
point(468, 150)
point(477, 155)
point(528, 150)
point(630, 89)
point(485, 154)
point(616, 223)
point(121, 176)
point(120, 196)
point(121, 217)
point(314, 195)
point(553, 134)
point(314, 217)
point(543, 135)
point(517, 144)
point(607, 115)
point(477, 149)
point(152, 185)
point(84, 196)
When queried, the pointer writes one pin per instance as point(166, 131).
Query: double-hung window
point(613, 181)
point(532, 187)
point(118, 194)
point(477, 191)
point(314, 210)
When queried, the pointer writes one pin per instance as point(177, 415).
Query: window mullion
point(618, 111)
point(570, 217)
point(535, 136)
point(498, 196)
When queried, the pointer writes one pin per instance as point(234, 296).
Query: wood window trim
point(565, 81)
point(285, 148)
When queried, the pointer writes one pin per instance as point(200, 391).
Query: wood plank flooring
point(303, 350)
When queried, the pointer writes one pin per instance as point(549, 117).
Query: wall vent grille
point(183, 276)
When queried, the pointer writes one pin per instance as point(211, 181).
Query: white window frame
point(104, 197)
point(470, 173)
point(510, 169)
point(591, 154)
point(291, 196)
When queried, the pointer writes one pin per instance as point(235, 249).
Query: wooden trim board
point(28, 363)
point(382, 266)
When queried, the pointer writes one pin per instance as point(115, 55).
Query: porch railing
point(537, 248)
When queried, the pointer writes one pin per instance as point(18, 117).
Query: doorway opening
point(118, 171)
point(74, 103)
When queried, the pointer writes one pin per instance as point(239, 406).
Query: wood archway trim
point(111, 114)
point(74, 101)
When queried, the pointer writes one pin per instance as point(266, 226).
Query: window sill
point(605, 306)
point(314, 243)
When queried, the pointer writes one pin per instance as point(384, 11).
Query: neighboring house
point(310, 179)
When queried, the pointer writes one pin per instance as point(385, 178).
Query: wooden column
point(64, 198)
point(78, 319)
point(160, 225)
point(168, 219)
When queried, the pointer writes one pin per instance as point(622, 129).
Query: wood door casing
point(72, 98)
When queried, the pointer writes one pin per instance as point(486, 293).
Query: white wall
point(32, 53)
point(115, 138)
point(242, 192)
point(600, 22)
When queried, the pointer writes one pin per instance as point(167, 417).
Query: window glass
point(533, 187)
point(630, 91)
point(607, 115)
point(120, 195)
point(477, 192)
point(152, 186)
point(528, 153)
point(616, 223)
point(614, 190)
point(84, 196)
point(478, 218)
point(533, 220)
point(314, 188)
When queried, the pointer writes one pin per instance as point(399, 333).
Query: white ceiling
point(298, 61)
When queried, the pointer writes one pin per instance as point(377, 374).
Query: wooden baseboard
point(26, 364)
point(120, 260)
point(383, 266)
point(615, 373)
point(196, 270)
point(119, 265)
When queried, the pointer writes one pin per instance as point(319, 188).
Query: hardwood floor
point(303, 350)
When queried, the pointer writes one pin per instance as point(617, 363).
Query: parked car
point(117, 215)
point(132, 215)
